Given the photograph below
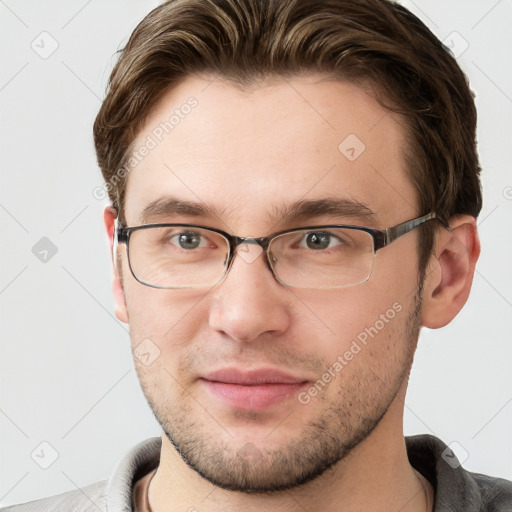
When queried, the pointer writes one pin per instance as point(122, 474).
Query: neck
point(374, 476)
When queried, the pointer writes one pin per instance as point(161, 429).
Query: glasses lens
point(177, 256)
point(326, 258)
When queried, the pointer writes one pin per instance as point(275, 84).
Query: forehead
point(247, 154)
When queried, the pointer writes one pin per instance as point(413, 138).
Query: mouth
point(254, 390)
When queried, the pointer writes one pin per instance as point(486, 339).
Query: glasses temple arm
point(397, 231)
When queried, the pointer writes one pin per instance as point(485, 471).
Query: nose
point(249, 302)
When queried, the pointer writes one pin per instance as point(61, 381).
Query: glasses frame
point(381, 238)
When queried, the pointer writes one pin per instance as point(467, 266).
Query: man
point(294, 190)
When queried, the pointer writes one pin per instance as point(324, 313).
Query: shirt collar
point(140, 460)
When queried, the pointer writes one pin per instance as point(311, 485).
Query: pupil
point(189, 240)
point(318, 240)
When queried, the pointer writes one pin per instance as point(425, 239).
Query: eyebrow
point(297, 211)
point(332, 207)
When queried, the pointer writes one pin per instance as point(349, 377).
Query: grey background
point(67, 375)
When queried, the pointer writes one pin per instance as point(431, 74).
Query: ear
point(450, 272)
point(109, 216)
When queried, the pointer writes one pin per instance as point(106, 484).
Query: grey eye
point(319, 240)
point(188, 240)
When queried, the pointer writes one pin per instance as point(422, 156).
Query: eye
point(189, 240)
point(320, 240)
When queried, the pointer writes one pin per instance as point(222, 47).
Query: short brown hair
point(376, 42)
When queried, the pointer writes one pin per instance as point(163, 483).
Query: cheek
point(367, 323)
point(370, 350)
point(169, 319)
point(343, 313)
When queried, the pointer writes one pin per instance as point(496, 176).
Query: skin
point(244, 152)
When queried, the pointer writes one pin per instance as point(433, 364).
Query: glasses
point(316, 257)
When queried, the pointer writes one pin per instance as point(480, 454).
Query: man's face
point(249, 155)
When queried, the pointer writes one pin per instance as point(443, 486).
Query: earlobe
point(121, 311)
point(450, 273)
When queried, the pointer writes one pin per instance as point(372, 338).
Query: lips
point(252, 377)
point(256, 389)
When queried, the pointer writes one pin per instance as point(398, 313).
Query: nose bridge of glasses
point(239, 240)
point(249, 248)
point(259, 241)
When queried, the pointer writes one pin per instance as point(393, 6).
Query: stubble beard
point(252, 468)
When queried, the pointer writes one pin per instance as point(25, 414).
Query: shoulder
point(496, 493)
point(91, 498)
point(455, 487)
point(114, 494)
